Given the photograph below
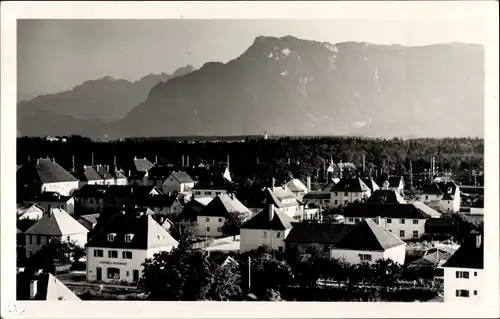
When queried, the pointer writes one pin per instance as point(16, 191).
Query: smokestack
point(340, 168)
point(478, 239)
point(363, 164)
point(156, 159)
point(33, 288)
point(411, 175)
point(182, 165)
point(92, 163)
point(228, 161)
point(37, 161)
point(271, 212)
point(308, 183)
point(187, 161)
point(73, 162)
point(289, 162)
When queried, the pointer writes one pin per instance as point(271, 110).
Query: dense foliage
point(53, 254)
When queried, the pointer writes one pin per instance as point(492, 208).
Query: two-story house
point(179, 182)
point(349, 190)
point(56, 224)
point(369, 242)
point(268, 228)
point(406, 221)
point(118, 249)
point(138, 171)
point(210, 220)
point(158, 174)
point(444, 196)
point(89, 175)
point(286, 201)
point(464, 271)
point(49, 200)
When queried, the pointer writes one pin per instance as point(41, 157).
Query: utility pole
point(411, 176)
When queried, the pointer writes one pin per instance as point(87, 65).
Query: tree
point(184, 230)
point(386, 273)
point(232, 224)
point(77, 252)
point(227, 284)
point(51, 255)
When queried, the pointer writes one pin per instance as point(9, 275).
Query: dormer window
point(111, 237)
point(128, 238)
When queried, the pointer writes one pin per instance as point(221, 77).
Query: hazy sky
point(56, 55)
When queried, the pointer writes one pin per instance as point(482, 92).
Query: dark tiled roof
point(223, 205)
point(317, 195)
point(159, 172)
point(191, 210)
point(447, 197)
point(91, 191)
point(104, 172)
point(383, 196)
point(394, 181)
point(214, 183)
point(44, 171)
point(130, 190)
point(147, 233)
point(350, 185)
point(280, 220)
point(322, 233)
point(371, 210)
point(142, 164)
point(182, 177)
point(469, 255)
point(371, 184)
point(432, 189)
point(328, 187)
point(367, 235)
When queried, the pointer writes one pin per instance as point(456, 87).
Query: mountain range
point(285, 86)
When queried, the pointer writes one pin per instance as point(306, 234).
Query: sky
point(56, 55)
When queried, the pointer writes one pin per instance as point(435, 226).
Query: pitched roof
point(91, 191)
point(130, 190)
point(49, 288)
point(328, 187)
point(394, 181)
point(427, 210)
point(350, 185)
point(371, 184)
point(317, 195)
point(367, 235)
point(223, 205)
point(321, 233)
point(142, 164)
point(280, 220)
point(104, 172)
point(22, 208)
point(57, 223)
point(91, 218)
point(45, 171)
point(470, 254)
point(386, 197)
point(182, 177)
point(447, 197)
point(159, 172)
point(214, 183)
point(278, 196)
point(432, 189)
point(407, 211)
point(147, 233)
point(295, 185)
point(432, 258)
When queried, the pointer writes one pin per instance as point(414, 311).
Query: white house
point(49, 200)
point(56, 224)
point(463, 272)
point(444, 196)
point(349, 190)
point(368, 242)
point(268, 228)
point(217, 185)
point(29, 211)
point(298, 188)
point(406, 221)
point(179, 182)
point(116, 252)
point(286, 201)
point(45, 176)
point(211, 219)
point(89, 175)
point(319, 199)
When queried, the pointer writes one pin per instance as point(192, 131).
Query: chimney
point(187, 161)
point(379, 221)
point(271, 212)
point(156, 159)
point(114, 161)
point(33, 288)
point(92, 159)
point(363, 164)
point(182, 165)
point(308, 183)
point(37, 161)
point(273, 181)
point(478, 239)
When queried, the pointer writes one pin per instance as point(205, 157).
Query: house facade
point(54, 225)
point(49, 200)
point(269, 227)
point(443, 196)
point(348, 191)
point(118, 250)
point(464, 271)
point(179, 182)
point(29, 211)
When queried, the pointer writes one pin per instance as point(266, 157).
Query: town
point(258, 218)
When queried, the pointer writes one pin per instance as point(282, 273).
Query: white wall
point(68, 206)
point(451, 284)
point(208, 192)
point(254, 238)
point(63, 188)
point(397, 254)
point(395, 226)
point(32, 246)
point(210, 228)
point(32, 213)
point(352, 256)
point(351, 197)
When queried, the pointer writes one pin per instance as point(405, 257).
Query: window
point(220, 220)
point(112, 254)
point(208, 229)
point(426, 197)
point(207, 219)
point(197, 193)
point(336, 194)
point(346, 194)
point(98, 253)
point(390, 231)
point(127, 255)
point(113, 273)
point(389, 221)
point(401, 221)
point(475, 292)
point(38, 238)
point(208, 193)
point(219, 229)
point(218, 193)
point(462, 274)
point(31, 239)
point(265, 234)
point(415, 222)
point(462, 293)
point(351, 220)
point(415, 234)
point(448, 202)
point(278, 235)
point(68, 238)
point(128, 238)
point(111, 237)
point(356, 220)
point(475, 273)
point(128, 273)
point(402, 233)
point(365, 257)
point(346, 202)
point(336, 202)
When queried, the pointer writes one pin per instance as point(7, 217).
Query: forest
point(252, 158)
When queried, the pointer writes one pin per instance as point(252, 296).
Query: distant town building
point(349, 190)
point(298, 188)
point(29, 211)
point(49, 200)
point(178, 182)
point(443, 196)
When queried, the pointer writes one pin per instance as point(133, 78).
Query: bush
point(79, 266)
